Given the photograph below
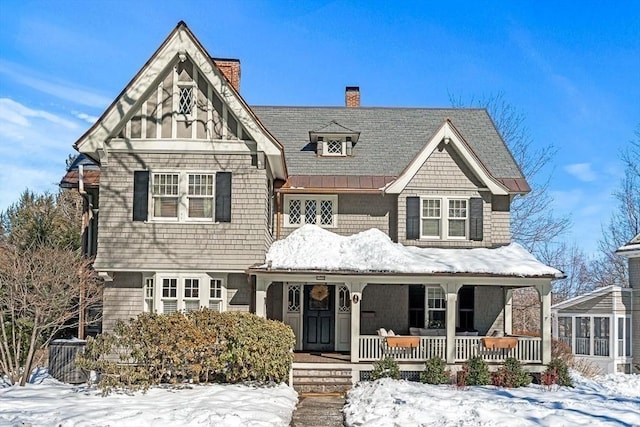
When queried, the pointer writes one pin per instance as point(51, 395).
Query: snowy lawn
point(47, 402)
point(610, 400)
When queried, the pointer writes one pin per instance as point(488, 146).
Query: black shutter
point(223, 197)
point(140, 195)
point(413, 218)
point(475, 219)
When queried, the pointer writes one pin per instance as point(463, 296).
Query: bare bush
point(40, 294)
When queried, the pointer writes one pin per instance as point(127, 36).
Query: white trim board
point(447, 133)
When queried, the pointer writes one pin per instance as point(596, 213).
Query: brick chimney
point(231, 70)
point(352, 96)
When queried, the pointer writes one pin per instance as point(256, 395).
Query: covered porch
point(339, 292)
point(454, 318)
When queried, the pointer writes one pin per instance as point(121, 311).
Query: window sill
point(175, 221)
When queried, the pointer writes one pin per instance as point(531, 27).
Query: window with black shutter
point(140, 195)
point(413, 218)
point(223, 197)
point(475, 219)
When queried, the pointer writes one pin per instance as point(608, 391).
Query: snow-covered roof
point(589, 295)
point(311, 248)
point(630, 249)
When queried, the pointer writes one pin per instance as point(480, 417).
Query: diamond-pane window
point(185, 100)
point(293, 299)
point(310, 211)
point(344, 299)
point(334, 147)
point(295, 212)
point(326, 212)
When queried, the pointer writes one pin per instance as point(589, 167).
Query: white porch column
point(508, 311)
point(356, 301)
point(545, 320)
point(261, 296)
point(451, 290)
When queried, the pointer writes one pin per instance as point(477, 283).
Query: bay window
point(183, 292)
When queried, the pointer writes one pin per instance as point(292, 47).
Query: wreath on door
point(319, 292)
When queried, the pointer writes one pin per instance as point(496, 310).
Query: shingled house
point(631, 251)
point(200, 194)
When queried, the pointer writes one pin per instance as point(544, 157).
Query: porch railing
point(372, 348)
point(527, 350)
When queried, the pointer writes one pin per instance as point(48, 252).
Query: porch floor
point(320, 357)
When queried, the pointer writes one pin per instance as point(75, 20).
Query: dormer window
point(334, 140)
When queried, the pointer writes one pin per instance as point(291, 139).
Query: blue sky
point(573, 68)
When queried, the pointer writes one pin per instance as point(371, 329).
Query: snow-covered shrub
point(474, 372)
point(435, 372)
point(511, 374)
point(386, 367)
point(557, 372)
point(203, 346)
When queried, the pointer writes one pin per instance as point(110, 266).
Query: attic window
point(185, 101)
point(334, 140)
point(335, 147)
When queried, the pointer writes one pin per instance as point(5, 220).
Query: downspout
point(278, 212)
point(85, 233)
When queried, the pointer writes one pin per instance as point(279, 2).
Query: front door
point(319, 315)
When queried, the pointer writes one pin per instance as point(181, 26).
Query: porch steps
point(322, 380)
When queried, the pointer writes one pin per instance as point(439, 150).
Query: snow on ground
point(318, 249)
point(611, 400)
point(48, 402)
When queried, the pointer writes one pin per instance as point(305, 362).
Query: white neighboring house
point(597, 326)
point(632, 252)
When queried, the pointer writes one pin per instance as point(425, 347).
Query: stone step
point(319, 380)
point(316, 380)
point(322, 388)
point(322, 372)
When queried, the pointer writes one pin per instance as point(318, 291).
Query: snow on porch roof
point(311, 248)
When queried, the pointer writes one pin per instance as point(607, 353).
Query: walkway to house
point(318, 411)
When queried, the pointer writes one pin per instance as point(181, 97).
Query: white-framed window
point(191, 294)
point(215, 294)
point(593, 335)
point(565, 330)
point(165, 193)
point(436, 308)
point(601, 333)
point(148, 294)
point(319, 210)
point(444, 218)
point(183, 196)
point(293, 298)
point(184, 292)
point(186, 99)
point(200, 195)
point(624, 336)
point(333, 146)
point(169, 295)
